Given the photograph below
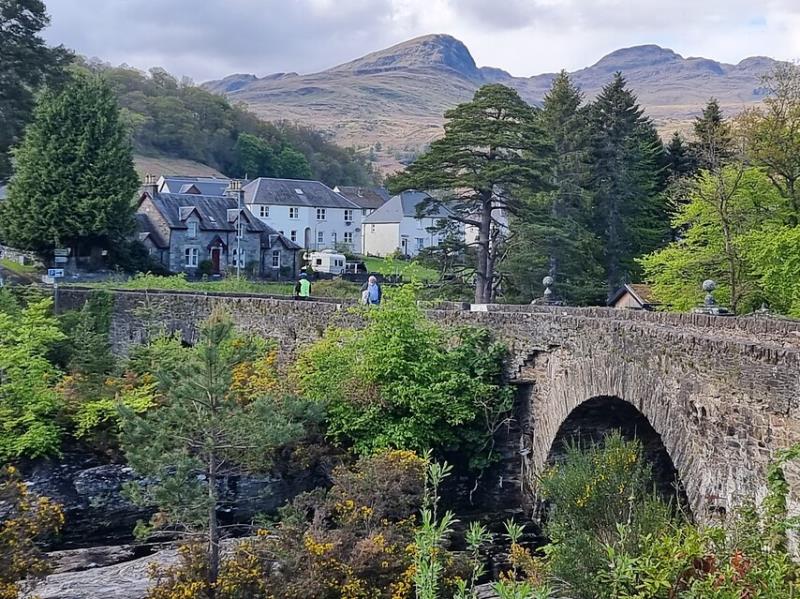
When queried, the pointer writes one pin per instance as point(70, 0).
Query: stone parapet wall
point(723, 393)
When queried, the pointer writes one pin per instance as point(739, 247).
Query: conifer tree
point(26, 63)
point(680, 160)
point(713, 146)
point(626, 178)
point(492, 149)
point(204, 432)
point(552, 235)
point(75, 182)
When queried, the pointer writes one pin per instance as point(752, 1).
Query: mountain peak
point(428, 51)
point(637, 56)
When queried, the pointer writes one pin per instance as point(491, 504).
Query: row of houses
point(191, 224)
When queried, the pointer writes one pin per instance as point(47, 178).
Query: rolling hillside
point(396, 97)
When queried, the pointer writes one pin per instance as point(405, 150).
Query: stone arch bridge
point(717, 396)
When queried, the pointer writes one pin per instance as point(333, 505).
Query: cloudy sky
point(207, 39)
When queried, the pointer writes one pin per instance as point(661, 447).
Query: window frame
point(321, 214)
point(191, 256)
point(263, 211)
point(348, 215)
point(348, 237)
point(320, 237)
point(236, 255)
point(192, 229)
point(276, 258)
point(294, 212)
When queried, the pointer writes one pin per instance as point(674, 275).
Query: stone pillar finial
point(548, 293)
point(709, 286)
point(709, 303)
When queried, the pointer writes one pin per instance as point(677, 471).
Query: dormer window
point(192, 230)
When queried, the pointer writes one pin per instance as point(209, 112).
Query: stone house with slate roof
point(309, 213)
point(183, 230)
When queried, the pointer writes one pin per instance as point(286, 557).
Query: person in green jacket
point(302, 289)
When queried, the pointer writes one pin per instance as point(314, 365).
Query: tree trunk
point(483, 278)
point(213, 526)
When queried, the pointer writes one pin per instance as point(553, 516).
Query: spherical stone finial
point(709, 285)
point(548, 281)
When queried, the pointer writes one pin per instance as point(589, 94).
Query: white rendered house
point(309, 213)
point(395, 226)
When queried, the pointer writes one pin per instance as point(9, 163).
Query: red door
point(215, 252)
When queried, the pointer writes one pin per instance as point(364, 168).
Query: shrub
point(30, 407)
point(407, 383)
point(26, 520)
point(590, 493)
point(355, 540)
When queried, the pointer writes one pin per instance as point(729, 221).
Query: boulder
point(98, 514)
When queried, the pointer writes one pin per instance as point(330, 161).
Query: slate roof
point(643, 294)
point(215, 213)
point(146, 229)
point(364, 197)
point(208, 186)
point(403, 205)
point(294, 192)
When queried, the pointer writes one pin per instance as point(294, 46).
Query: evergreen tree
point(552, 235)
point(680, 160)
point(25, 64)
point(713, 146)
point(626, 178)
point(206, 430)
point(75, 182)
point(493, 149)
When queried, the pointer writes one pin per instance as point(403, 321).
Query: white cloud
point(211, 38)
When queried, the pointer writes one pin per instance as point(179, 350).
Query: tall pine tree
point(552, 235)
point(713, 146)
point(25, 64)
point(492, 149)
point(626, 178)
point(75, 182)
point(681, 162)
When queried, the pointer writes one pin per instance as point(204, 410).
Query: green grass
point(409, 269)
point(20, 269)
point(334, 288)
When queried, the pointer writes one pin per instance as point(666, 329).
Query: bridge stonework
point(723, 393)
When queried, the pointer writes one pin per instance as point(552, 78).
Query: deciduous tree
point(772, 133)
point(724, 216)
point(29, 402)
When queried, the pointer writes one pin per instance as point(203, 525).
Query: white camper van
point(326, 261)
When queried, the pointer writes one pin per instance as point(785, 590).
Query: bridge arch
point(591, 421)
point(572, 388)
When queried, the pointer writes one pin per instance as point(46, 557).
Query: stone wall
point(722, 393)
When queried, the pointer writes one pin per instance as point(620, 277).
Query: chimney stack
point(150, 185)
